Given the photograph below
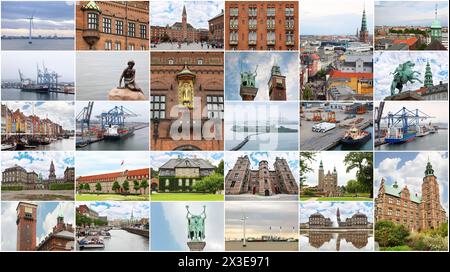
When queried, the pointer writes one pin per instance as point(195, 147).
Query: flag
point(122, 162)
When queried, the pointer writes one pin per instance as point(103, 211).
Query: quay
point(141, 232)
point(241, 144)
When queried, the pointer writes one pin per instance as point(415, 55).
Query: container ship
point(398, 136)
point(116, 132)
point(356, 136)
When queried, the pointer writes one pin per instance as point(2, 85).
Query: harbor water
point(17, 94)
point(58, 145)
point(138, 141)
point(122, 240)
point(435, 141)
point(38, 44)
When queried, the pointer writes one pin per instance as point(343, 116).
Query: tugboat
point(355, 136)
point(114, 132)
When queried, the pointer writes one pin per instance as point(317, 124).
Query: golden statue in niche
point(186, 93)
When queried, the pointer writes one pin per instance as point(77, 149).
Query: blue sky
point(198, 12)
point(386, 62)
point(343, 17)
point(39, 161)
point(59, 112)
point(120, 210)
point(248, 61)
point(292, 159)
point(47, 213)
point(109, 161)
point(159, 158)
point(328, 209)
point(437, 110)
point(411, 13)
point(50, 18)
point(407, 168)
point(169, 225)
point(140, 108)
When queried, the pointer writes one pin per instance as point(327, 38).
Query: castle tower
point(277, 84)
point(184, 23)
point(286, 179)
point(335, 178)
point(436, 28)
point(428, 82)
point(432, 213)
point(265, 184)
point(236, 180)
point(26, 226)
point(52, 174)
point(364, 33)
point(321, 176)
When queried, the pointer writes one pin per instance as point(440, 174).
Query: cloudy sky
point(407, 168)
point(159, 158)
point(58, 112)
point(411, 13)
point(62, 63)
point(328, 209)
point(386, 62)
point(240, 112)
point(39, 161)
point(256, 157)
point(330, 159)
point(109, 161)
point(438, 110)
point(140, 108)
point(263, 218)
point(119, 210)
point(198, 12)
point(47, 212)
point(324, 17)
point(169, 225)
point(240, 62)
point(50, 18)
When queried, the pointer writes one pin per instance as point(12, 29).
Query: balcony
point(91, 36)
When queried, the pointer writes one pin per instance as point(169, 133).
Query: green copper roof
point(91, 6)
point(395, 190)
point(436, 23)
point(428, 82)
point(364, 22)
point(186, 71)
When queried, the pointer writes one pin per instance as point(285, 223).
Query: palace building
point(261, 25)
point(107, 181)
point(30, 180)
point(328, 183)
point(416, 212)
point(60, 239)
point(241, 179)
point(112, 25)
point(180, 174)
point(317, 220)
point(186, 101)
point(358, 220)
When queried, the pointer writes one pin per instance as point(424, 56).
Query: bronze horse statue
point(402, 75)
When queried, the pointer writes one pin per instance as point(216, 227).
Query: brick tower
point(26, 226)
point(433, 215)
point(265, 186)
point(184, 23)
point(236, 181)
point(52, 174)
point(286, 179)
point(277, 84)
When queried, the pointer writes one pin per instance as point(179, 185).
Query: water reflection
point(336, 240)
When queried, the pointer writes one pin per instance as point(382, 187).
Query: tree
point(388, 234)
point(210, 184)
point(116, 186)
point(126, 186)
point(81, 187)
point(305, 159)
point(363, 163)
point(98, 187)
point(353, 186)
point(87, 187)
point(307, 93)
point(219, 168)
point(136, 186)
point(144, 184)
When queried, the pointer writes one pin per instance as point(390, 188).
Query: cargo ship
point(115, 132)
point(356, 136)
point(398, 136)
point(35, 88)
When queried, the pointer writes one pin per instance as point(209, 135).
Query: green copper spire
point(428, 82)
point(321, 164)
point(436, 28)
point(429, 171)
point(364, 21)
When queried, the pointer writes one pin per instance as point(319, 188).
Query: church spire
point(429, 170)
point(428, 82)
point(364, 20)
point(184, 11)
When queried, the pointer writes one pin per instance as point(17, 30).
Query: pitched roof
point(187, 162)
point(435, 45)
point(409, 41)
point(339, 74)
point(92, 178)
point(396, 191)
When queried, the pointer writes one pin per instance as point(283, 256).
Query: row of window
point(110, 45)
point(214, 106)
point(252, 36)
point(93, 24)
point(234, 23)
point(270, 12)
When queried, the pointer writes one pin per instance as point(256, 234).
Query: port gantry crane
point(115, 116)
point(378, 114)
point(84, 117)
point(407, 118)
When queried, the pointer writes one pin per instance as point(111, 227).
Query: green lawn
point(304, 198)
point(186, 197)
point(110, 197)
point(344, 199)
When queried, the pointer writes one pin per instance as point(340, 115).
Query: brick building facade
point(415, 212)
point(328, 183)
point(241, 179)
point(60, 239)
point(190, 85)
point(216, 30)
point(112, 25)
point(26, 226)
point(261, 25)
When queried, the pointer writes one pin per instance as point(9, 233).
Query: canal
point(58, 145)
point(122, 240)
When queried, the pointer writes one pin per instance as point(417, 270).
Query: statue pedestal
point(408, 95)
point(196, 246)
point(248, 93)
point(125, 94)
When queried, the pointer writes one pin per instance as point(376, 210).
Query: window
point(398, 202)
point(232, 184)
point(143, 31)
point(271, 37)
point(270, 12)
point(289, 11)
point(92, 21)
point(234, 11)
point(108, 45)
point(234, 37)
point(252, 37)
point(214, 105)
point(199, 61)
point(158, 107)
point(167, 182)
point(252, 23)
point(107, 25)
point(253, 11)
point(170, 61)
point(131, 29)
point(180, 182)
point(236, 175)
point(234, 23)
point(131, 47)
point(119, 27)
point(270, 23)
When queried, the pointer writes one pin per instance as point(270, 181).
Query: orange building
point(261, 25)
point(112, 25)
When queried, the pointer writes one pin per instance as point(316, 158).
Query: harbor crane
point(378, 115)
point(84, 117)
point(115, 116)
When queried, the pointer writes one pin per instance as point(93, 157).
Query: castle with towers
point(328, 183)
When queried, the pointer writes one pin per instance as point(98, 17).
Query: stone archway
point(266, 193)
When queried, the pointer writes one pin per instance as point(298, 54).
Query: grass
point(396, 248)
point(186, 197)
point(304, 198)
point(110, 197)
point(344, 199)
